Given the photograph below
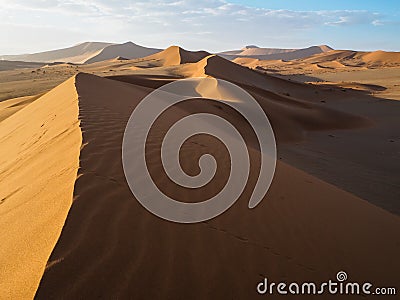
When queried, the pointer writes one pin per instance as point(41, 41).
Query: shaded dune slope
point(39, 159)
point(290, 115)
point(111, 247)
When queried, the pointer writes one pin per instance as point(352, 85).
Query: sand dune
point(127, 50)
point(171, 56)
point(75, 54)
point(332, 60)
point(88, 237)
point(382, 58)
point(331, 65)
point(356, 58)
point(252, 51)
point(384, 81)
point(246, 61)
point(112, 247)
point(275, 54)
point(336, 66)
point(334, 55)
point(39, 159)
point(88, 52)
point(290, 115)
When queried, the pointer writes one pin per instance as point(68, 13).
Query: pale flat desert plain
point(70, 228)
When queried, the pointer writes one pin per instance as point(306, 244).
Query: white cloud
point(221, 24)
point(349, 17)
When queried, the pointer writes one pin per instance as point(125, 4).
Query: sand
point(26, 82)
point(383, 82)
point(88, 52)
point(332, 205)
point(39, 159)
point(252, 50)
point(112, 247)
point(75, 54)
point(127, 50)
point(171, 56)
point(274, 54)
point(375, 73)
point(11, 106)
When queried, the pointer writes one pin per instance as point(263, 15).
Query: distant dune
point(273, 53)
point(381, 58)
point(254, 50)
point(127, 50)
point(357, 58)
point(75, 54)
point(171, 56)
point(331, 60)
point(88, 52)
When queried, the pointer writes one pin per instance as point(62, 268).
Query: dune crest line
point(39, 160)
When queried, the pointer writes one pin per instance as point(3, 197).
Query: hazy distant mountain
point(75, 54)
point(127, 50)
point(85, 53)
point(274, 53)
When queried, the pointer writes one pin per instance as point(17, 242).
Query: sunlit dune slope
point(173, 55)
point(39, 159)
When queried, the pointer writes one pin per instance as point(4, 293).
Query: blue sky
point(385, 6)
point(213, 25)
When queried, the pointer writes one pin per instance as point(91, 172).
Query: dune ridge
point(85, 53)
point(344, 69)
point(291, 116)
point(126, 50)
point(357, 58)
point(75, 54)
point(174, 55)
point(99, 242)
point(334, 60)
point(274, 54)
point(112, 247)
point(39, 159)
